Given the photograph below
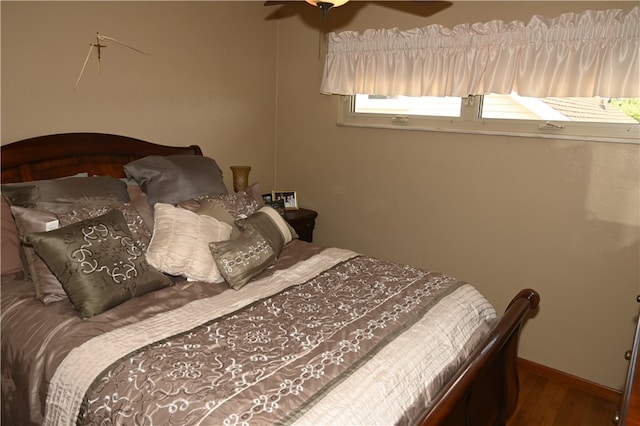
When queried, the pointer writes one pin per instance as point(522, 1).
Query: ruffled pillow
point(180, 243)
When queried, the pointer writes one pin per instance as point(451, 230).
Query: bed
point(306, 334)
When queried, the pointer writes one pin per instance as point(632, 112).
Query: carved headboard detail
point(66, 154)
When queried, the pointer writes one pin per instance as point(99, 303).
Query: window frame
point(471, 122)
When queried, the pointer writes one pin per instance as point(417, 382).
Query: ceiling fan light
point(326, 5)
point(335, 3)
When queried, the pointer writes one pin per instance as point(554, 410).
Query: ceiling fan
point(326, 5)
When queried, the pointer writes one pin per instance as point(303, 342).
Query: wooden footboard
point(484, 391)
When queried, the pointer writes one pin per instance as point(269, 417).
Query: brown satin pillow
point(64, 194)
point(10, 247)
point(47, 287)
point(174, 178)
point(97, 262)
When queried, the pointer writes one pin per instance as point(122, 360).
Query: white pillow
point(180, 243)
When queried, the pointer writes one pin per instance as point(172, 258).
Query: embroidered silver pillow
point(245, 257)
point(260, 243)
point(239, 204)
point(97, 262)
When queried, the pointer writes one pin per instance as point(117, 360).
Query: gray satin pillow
point(174, 178)
point(97, 263)
point(64, 194)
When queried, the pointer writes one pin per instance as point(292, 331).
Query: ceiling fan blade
point(286, 9)
point(345, 13)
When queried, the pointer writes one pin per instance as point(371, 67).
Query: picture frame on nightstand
point(290, 198)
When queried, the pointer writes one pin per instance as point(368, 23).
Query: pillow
point(179, 245)
point(135, 222)
point(10, 250)
point(240, 204)
point(64, 194)
point(140, 201)
point(216, 210)
point(271, 225)
point(254, 192)
point(97, 263)
point(245, 257)
point(46, 286)
point(10, 245)
point(263, 236)
point(176, 178)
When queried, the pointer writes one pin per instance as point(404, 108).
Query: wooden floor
point(545, 401)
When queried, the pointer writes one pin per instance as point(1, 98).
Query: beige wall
point(501, 212)
point(208, 80)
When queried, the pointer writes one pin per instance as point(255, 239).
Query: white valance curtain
point(594, 53)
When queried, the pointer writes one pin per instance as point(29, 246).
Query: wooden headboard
point(66, 154)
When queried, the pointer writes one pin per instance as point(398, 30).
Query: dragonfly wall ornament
point(98, 47)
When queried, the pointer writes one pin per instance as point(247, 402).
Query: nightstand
point(303, 221)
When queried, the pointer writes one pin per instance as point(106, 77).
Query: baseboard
point(573, 381)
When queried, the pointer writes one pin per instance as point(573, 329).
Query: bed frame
point(483, 391)
point(53, 156)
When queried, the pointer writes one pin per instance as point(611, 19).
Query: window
point(601, 119)
point(406, 105)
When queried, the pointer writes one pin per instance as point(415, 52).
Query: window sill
point(498, 128)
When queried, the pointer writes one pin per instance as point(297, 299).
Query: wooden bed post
point(484, 390)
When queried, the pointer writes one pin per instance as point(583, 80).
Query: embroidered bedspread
point(337, 338)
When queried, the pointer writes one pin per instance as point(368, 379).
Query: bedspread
point(337, 338)
point(37, 338)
